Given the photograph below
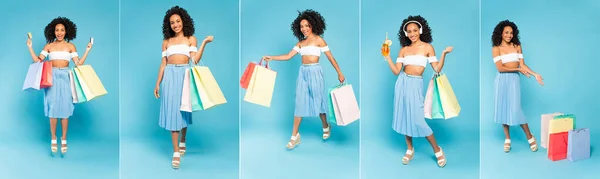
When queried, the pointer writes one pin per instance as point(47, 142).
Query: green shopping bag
point(332, 118)
point(196, 104)
point(80, 96)
point(436, 107)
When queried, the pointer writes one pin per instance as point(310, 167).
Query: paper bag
point(579, 145)
point(545, 126)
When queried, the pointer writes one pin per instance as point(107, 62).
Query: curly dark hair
point(70, 29)
point(425, 37)
point(188, 23)
point(497, 35)
point(314, 18)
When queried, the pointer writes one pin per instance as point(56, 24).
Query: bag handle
point(266, 64)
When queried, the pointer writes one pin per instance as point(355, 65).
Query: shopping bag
point(92, 82)
point(557, 146)
point(245, 80)
point(429, 99)
point(84, 87)
point(448, 99)
point(545, 126)
point(33, 77)
point(437, 112)
point(72, 85)
point(579, 144)
point(194, 93)
point(186, 100)
point(46, 80)
point(213, 92)
point(567, 116)
point(78, 88)
point(345, 106)
point(261, 86)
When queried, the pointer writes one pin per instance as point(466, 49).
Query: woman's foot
point(532, 144)
point(327, 131)
point(176, 160)
point(182, 148)
point(63, 147)
point(408, 156)
point(441, 158)
point(506, 145)
point(53, 146)
point(294, 140)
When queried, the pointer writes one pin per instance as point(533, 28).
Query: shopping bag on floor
point(545, 126)
point(46, 81)
point(261, 86)
point(343, 108)
point(34, 77)
point(579, 144)
point(557, 146)
point(448, 99)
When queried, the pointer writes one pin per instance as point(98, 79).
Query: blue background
point(559, 40)
point(94, 127)
point(266, 131)
point(213, 139)
point(382, 148)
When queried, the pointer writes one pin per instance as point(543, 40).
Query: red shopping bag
point(46, 75)
point(557, 146)
point(248, 73)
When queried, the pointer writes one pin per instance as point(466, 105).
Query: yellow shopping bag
point(261, 86)
point(450, 104)
point(91, 84)
point(213, 93)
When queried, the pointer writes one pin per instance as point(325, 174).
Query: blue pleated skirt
point(171, 117)
point(507, 109)
point(58, 99)
point(409, 113)
point(311, 98)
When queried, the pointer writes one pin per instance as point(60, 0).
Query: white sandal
point(63, 150)
point(295, 140)
point(405, 159)
point(53, 146)
point(532, 146)
point(175, 163)
point(326, 132)
point(441, 162)
point(506, 145)
point(182, 151)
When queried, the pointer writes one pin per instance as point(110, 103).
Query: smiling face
point(176, 23)
point(60, 32)
point(507, 34)
point(305, 28)
point(412, 30)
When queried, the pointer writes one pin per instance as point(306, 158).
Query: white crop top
point(311, 50)
point(419, 60)
point(181, 49)
point(509, 57)
point(59, 55)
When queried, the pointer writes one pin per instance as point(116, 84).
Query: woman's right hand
point(29, 43)
point(522, 70)
point(156, 90)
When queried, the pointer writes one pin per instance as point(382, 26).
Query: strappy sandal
point(532, 144)
point(440, 162)
point(182, 149)
point(63, 147)
point(294, 140)
point(326, 132)
point(53, 146)
point(506, 145)
point(409, 155)
point(175, 163)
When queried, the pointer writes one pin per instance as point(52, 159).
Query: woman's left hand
point(448, 49)
point(208, 39)
point(341, 78)
point(539, 78)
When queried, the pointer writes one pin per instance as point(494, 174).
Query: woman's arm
point(332, 60)
point(526, 68)
point(285, 57)
point(34, 57)
point(161, 70)
point(79, 61)
point(437, 66)
point(397, 67)
point(197, 56)
point(500, 66)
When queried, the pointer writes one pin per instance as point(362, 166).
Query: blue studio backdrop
point(266, 131)
point(213, 138)
point(559, 42)
point(93, 135)
point(382, 148)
